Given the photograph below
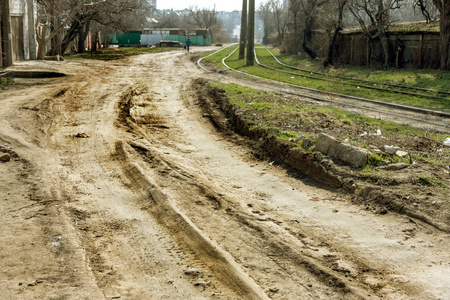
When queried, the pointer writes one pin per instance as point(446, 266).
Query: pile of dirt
point(418, 188)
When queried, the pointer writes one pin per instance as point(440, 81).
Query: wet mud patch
point(137, 108)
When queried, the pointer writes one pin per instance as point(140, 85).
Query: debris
point(378, 132)
point(56, 244)
point(81, 135)
point(447, 142)
point(33, 283)
point(5, 157)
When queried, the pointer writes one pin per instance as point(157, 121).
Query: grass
point(288, 119)
point(4, 82)
point(430, 79)
point(107, 54)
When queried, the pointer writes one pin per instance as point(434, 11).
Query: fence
point(410, 49)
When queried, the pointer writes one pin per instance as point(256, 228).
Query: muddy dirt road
point(118, 187)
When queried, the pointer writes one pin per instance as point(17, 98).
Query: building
point(21, 27)
point(150, 36)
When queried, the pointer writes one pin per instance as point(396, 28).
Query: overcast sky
point(226, 5)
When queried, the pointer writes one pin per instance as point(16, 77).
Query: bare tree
point(444, 25)
point(168, 19)
point(373, 17)
point(338, 7)
point(265, 14)
point(310, 13)
point(424, 6)
point(280, 18)
point(80, 15)
point(203, 18)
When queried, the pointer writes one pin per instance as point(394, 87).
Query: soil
point(120, 187)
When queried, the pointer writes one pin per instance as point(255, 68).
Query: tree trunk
point(444, 25)
point(243, 38)
point(386, 49)
point(329, 59)
point(6, 35)
point(42, 41)
point(82, 37)
point(307, 34)
point(74, 29)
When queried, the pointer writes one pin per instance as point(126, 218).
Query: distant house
point(150, 36)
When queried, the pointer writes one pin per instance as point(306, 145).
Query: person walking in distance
point(188, 44)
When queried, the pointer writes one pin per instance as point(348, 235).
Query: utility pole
point(242, 41)
point(251, 33)
point(6, 34)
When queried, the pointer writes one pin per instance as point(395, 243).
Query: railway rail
point(357, 82)
point(399, 113)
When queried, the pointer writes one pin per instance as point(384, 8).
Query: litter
point(447, 142)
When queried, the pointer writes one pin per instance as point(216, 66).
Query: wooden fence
point(410, 49)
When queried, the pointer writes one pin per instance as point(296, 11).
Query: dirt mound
point(420, 190)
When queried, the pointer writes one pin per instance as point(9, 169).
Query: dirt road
point(119, 188)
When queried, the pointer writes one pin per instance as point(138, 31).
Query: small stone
point(5, 157)
point(33, 283)
point(396, 167)
point(401, 153)
point(192, 272)
point(382, 211)
point(389, 149)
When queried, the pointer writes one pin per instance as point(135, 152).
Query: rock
point(192, 272)
point(382, 211)
point(396, 167)
point(325, 142)
point(5, 157)
point(401, 153)
point(354, 156)
point(306, 143)
point(389, 149)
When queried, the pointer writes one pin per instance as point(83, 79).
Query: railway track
point(402, 114)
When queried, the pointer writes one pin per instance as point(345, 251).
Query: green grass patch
point(4, 82)
point(287, 118)
point(428, 79)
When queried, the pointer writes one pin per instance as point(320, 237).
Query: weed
point(375, 160)
point(431, 181)
point(4, 82)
